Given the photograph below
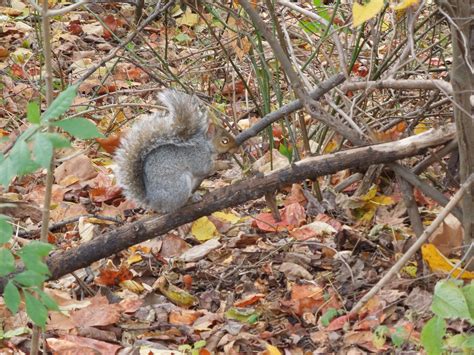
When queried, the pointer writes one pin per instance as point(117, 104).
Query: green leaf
point(184, 347)
point(242, 315)
point(79, 128)
point(7, 262)
point(36, 264)
point(16, 332)
point(200, 344)
point(61, 104)
point(182, 37)
point(47, 301)
point(37, 248)
point(33, 255)
point(20, 157)
point(12, 298)
point(35, 309)
point(43, 150)
point(468, 292)
point(284, 150)
point(469, 343)
point(328, 316)
point(7, 172)
point(449, 301)
point(30, 278)
point(380, 336)
point(456, 341)
point(432, 335)
point(58, 140)
point(6, 229)
point(33, 114)
point(400, 336)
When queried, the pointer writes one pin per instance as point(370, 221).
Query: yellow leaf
point(331, 146)
point(406, 4)
point(203, 229)
point(368, 215)
point(420, 128)
point(134, 258)
point(174, 294)
point(410, 270)
point(370, 194)
point(228, 217)
point(362, 13)
point(383, 200)
point(133, 286)
point(188, 19)
point(272, 350)
point(438, 262)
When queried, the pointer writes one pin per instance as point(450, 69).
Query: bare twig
point(399, 84)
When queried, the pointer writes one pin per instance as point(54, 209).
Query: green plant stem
point(48, 78)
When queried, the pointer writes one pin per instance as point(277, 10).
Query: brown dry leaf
point(111, 276)
point(102, 188)
point(172, 245)
point(110, 143)
point(86, 229)
point(4, 53)
point(99, 313)
point(363, 339)
point(296, 195)
point(249, 300)
point(339, 322)
point(266, 223)
point(306, 298)
point(67, 210)
point(36, 194)
point(183, 316)
point(86, 343)
point(130, 306)
point(294, 215)
point(59, 321)
point(200, 251)
point(294, 271)
point(311, 230)
point(80, 167)
point(61, 346)
point(264, 164)
point(21, 210)
point(9, 11)
point(393, 217)
point(448, 237)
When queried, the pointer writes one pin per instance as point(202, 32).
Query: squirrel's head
point(222, 141)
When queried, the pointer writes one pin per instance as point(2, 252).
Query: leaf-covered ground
point(236, 281)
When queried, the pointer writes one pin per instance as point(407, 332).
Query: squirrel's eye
point(225, 141)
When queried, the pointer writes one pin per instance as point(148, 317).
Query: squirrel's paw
point(195, 197)
point(222, 165)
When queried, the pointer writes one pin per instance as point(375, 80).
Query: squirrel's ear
point(211, 130)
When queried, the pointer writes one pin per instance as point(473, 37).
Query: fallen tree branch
point(121, 238)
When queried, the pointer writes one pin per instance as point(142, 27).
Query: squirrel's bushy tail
point(185, 119)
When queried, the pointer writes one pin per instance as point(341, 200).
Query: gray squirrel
point(164, 157)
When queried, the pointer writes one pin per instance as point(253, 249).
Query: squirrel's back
point(185, 120)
